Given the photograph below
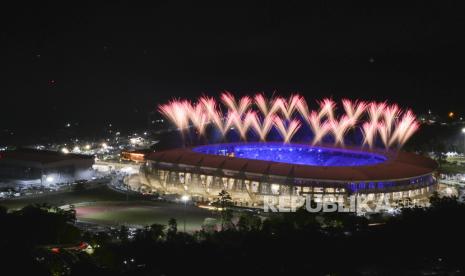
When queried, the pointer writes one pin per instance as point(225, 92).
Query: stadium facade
point(254, 172)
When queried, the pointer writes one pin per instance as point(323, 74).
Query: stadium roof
point(398, 166)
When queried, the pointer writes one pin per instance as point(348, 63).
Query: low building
point(137, 156)
point(36, 167)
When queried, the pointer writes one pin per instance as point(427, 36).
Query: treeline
point(416, 241)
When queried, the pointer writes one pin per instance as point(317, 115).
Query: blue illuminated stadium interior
point(294, 154)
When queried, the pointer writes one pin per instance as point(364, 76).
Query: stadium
point(252, 171)
point(323, 165)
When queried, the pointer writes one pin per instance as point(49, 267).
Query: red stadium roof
point(401, 165)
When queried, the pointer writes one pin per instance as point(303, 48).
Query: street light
point(463, 131)
point(185, 199)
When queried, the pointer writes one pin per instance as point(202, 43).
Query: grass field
point(105, 206)
point(57, 199)
point(143, 213)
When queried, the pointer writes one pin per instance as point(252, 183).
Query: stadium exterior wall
point(252, 189)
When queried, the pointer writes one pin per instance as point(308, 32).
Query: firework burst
point(176, 111)
point(327, 107)
point(388, 123)
point(198, 117)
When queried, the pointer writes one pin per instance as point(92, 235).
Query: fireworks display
point(375, 120)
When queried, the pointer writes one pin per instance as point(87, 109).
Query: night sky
point(114, 62)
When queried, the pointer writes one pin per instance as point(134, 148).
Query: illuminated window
point(254, 186)
point(275, 189)
point(231, 184)
point(330, 190)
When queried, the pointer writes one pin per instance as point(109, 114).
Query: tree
point(172, 228)
point(223, 202)
point(157, 231)
point(123, 233)
point(3, 211)
point(79, 187)
point(249, 222)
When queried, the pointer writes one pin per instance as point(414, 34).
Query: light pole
point(463, 132)
point(185, 199)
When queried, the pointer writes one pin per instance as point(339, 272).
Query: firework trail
point(390, 115)
point(302, 108)
point(239, 108)
point(286, 131)
point(375, 111)
point(319, 129)
point(354, 110)
point(242, 126)
point(369, 130)
point(277, 105)
point(339, 128)
point(262, 104)
point(405, 128)
point(287, 108)
point(197, 116)
point(327, 107)
point(261, 127)
point(384, 134)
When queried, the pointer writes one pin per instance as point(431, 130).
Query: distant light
point(104, 145)
point(65, 150)
point(128, 170)
point(68, 125)
point(76, 149)
point(463, 130)
point(49, 179)
point(391, 210)
point(451, 114)
point(87, 147)
point(185, 198)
